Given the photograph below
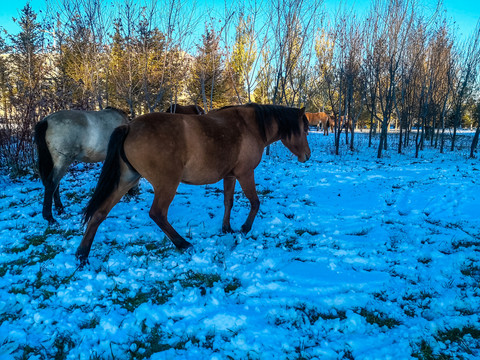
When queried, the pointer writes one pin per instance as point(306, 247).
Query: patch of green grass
point(19, 263)
point(382, 296)
point(133, 302)
point(425, 352)
point(424, 260)
point(232, 285)
point(290, 243)
point(470, 269)
point(36, 240)
point(73, 196)
point(194, 279)
point(465, 244)
point(158, 295)
point(28, 352)
point(59, 351)
point(457, 334)
point(311, 314)
point(18, 290)
point(338, 314)
point(307, 202)
point(8, 317)
point(17, 250)
point(410, 312)
point(300, 232)
point(374, 317)
point(90, 324)
point(361, 232)
point(264, 192)
point(347, 355)
point(62, 345)
point(13, 204)
point(48, 252)
point(154, 342)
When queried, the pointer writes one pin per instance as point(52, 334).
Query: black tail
point(45, 161)
point(110, 174)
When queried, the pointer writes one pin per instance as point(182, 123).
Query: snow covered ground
point(350, 257)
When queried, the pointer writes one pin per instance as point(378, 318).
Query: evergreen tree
point(5, 87)
point(243, 57)
point(208, 83)
point(117, 79)
point(27, 63)
point(27, 66)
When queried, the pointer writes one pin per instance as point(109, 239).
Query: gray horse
point(67, 136)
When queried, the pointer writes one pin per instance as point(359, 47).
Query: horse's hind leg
point(159, 211)
point(247, 183)
point(51, 191)
point(228, 191)
point(100, 215)
point(57, 201)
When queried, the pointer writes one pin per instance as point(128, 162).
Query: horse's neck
point(272, 133)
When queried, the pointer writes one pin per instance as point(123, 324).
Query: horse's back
point(185, 109)
point(81, 135)
point(196, 149)
point(315, 118)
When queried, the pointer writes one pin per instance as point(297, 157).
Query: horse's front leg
point(247, 183)
point(228, 191)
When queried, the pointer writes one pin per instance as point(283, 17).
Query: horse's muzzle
point(304, 157)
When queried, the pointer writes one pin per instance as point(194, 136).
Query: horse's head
point(297, 143)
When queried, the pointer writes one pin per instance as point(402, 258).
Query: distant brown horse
point(67, 136)
point(185, 109)
point(194, 149)
point(315, 119)
point(346, 122)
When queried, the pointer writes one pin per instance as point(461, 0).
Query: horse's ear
point(302, 111)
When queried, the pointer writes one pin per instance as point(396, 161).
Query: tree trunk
point(475, 142)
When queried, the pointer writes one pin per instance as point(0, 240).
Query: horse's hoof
point(51, 221)
point(245, 229)
point(227, 230)
point(186, 246)
point(185, 249)
point(82, 257)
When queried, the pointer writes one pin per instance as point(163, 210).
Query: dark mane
point(286, 117)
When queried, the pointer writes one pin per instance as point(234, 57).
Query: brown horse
point(345, 122)
point(67, 136)
point(185, 109)
point(195, 149)
point(319, 118)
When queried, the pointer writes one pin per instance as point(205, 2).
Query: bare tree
point(476, 116)
point(393, 22)
point(350, 47)
point(26, 78)
point(465, 77)
point(294, 23)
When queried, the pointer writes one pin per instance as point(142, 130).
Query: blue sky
point(464, 12)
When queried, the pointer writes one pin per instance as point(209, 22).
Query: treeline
point(396, 64)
